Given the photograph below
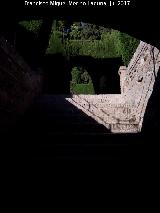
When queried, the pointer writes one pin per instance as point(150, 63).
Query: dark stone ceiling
point(141, 20)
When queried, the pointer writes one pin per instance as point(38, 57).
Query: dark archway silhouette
point(57, 74)
point(103, 72)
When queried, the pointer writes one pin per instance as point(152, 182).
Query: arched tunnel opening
point(63, 77)
point(56, 54)
point(101, 73)
point(57, 69)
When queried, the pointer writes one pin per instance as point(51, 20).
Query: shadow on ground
point(54, 129)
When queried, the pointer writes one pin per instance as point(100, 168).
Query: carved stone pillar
point(122, 73)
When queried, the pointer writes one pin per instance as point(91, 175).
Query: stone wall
point(141, 76)
point(125, 112)
point(18, 85)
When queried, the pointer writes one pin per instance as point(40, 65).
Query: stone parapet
point(125, 112)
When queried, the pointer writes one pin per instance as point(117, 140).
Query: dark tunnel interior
point(56, 71)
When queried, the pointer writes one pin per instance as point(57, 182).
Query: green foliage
point(75, 32)
point(80, 75)
point(96, 48)
point(32, 26)
point(85, 78)
point(106, 47)
point(81, 82)
point(86, 31)
point(60, 25)
point(92, 40)
point(126, 47)
point(89, 40)
point(76, 75)
point(72, 48)
point(55, 44)
point(90, 31)
point(82, 88)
